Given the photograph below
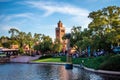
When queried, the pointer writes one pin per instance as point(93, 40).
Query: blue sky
point(42, 16)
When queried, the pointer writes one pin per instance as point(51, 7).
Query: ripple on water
point(46, 72)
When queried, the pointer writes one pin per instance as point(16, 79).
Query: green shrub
point(46, 56)
point(63, 58)
point(112, 63)
point(21, 51)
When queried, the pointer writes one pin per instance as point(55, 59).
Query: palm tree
point(13, 32)
point(37, 37)
point(21, 37)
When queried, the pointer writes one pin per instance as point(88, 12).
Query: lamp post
point(69, 64)
point(68, 51)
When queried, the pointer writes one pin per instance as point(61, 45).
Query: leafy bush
point(107, 62)
point(46, 56)
point(113, 63)
point(21, 51)
point(92, 62)
point(63, 58)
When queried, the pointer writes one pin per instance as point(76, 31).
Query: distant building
point(60, 32)
point(14, 46)
point(4, 39)
point(26, 48)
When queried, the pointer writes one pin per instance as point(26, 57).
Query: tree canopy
point(102, 33)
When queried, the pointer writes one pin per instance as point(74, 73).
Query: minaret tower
point(60, 31)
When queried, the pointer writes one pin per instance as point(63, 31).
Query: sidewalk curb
point(102, 71)
point(98, 71)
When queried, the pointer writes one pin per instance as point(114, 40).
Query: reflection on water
point(47, 72)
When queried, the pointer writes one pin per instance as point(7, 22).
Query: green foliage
point(113, 63)
point(45, 45)
point(37, 37)
point(21, 51)
point(0, 45)
point(63, 58)
point(13, 32)
point(36, 47)
point(76, 38)
point(21, 37)
point(57, 46)
point(105, 27)
point(6, 44)
point(38, 41)
point(13, 42)
point(46, 56)
point(92, 62)
point(80, 40)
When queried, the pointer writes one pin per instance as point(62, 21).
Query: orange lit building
point(60, 32)
point(14, 46)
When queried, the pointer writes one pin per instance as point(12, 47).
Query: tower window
point(62, 31)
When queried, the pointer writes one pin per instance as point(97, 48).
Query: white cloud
point(55, 7)
point(7, 28)
point(82, 21)
point(78, 15)
point(7, 18)
point(9, 21)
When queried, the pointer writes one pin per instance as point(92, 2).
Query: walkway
point(102, 71)
point(24, 58)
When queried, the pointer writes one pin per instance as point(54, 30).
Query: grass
point(93, 62)
point(57, 59)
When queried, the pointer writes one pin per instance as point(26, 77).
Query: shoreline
point(83, 67)
point(29, 61)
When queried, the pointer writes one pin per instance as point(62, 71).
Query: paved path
point(24, 58)
point(103, 71)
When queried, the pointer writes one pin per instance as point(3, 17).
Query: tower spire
point(60, 24)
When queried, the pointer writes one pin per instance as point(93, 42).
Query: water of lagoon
point(47, 72)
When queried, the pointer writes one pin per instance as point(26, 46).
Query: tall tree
point(13, 32)
point(29, 40)
point(21, 37)
point(106, 26)
point(37, 37)
point(76, 38)
point(57, 46)
point(46, 44)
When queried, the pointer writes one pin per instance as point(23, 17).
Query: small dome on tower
point(60, 21)
point(60, 24)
